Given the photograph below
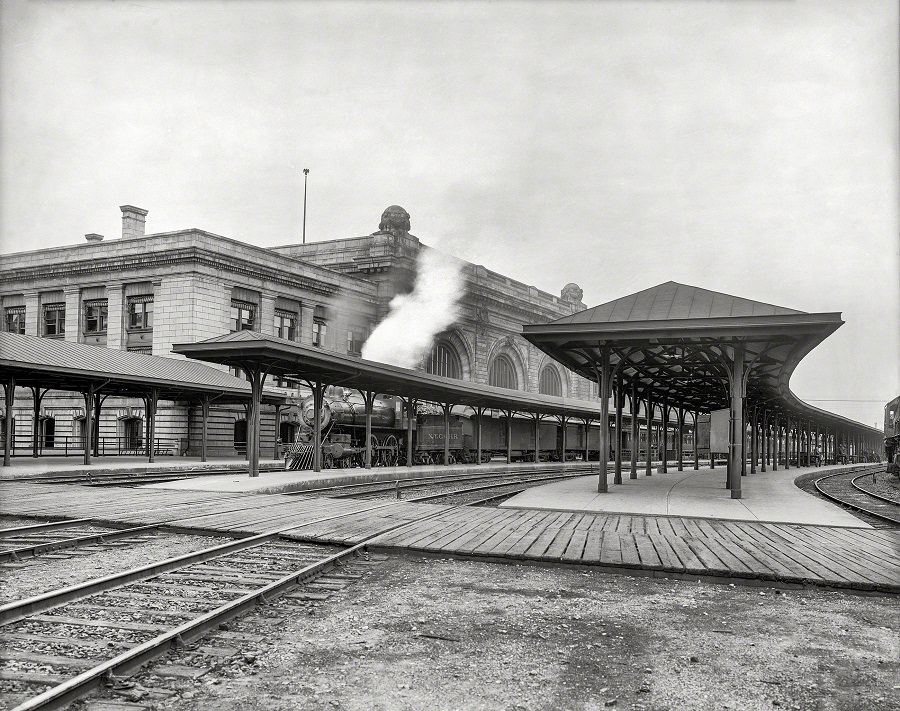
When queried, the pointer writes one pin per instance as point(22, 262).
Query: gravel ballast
point(429, 633)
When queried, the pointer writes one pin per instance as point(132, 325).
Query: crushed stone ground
point(436, 634)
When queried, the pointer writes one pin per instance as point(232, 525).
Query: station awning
point(63, 365)
point(677, 342)
point(286, 358)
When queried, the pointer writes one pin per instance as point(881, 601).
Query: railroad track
point(77, 534)
point(56, 646)
point(844, 488)
point(118, 478)
point(435, 486)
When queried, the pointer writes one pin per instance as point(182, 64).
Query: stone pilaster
point(267, 315)
point(306, 324)
point(115, 324)
point(32, 314)
point(73, 313)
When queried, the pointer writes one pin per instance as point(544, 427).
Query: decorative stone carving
point(394, 220)
point(572, 292)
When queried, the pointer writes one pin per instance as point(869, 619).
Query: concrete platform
point(770, 496)
point(24, 467)
point(279, 482)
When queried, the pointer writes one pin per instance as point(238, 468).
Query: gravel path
point(425, 633)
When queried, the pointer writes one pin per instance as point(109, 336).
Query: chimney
point(132, 221)
point(93, 237)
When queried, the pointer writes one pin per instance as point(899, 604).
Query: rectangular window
point(95, 314)
point(319, 329)
point(15, 319)
point(285, 324)
point(54, 320)
point(243, 316)
point(355, 338)
point(140, 312)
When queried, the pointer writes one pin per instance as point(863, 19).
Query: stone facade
point(146, 292)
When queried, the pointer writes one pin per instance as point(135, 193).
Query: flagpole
point(305, 175)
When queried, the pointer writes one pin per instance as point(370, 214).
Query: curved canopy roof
point(675, 341)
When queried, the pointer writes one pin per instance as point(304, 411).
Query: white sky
point(744, 146)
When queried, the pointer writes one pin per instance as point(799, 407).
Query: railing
point(67, 446)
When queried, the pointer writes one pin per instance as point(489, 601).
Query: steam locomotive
point(343, 428)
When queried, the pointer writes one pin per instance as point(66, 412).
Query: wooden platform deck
point(853, 558)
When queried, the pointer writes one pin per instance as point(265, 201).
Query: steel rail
point(429, 497)
point(850, 504)
point(856, 486)
point(18, 610)
point(70, 690)
point(418, 481)
point(39, 527)
point(31, 551)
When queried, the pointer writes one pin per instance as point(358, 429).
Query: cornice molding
point(194, 256)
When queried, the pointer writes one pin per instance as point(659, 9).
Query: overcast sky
point(749, 147)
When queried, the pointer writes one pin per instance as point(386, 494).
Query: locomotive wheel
point(391, 451)
point(327, 461)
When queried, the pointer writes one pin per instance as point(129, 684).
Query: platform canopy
point(284, 358)
point(696, 349)
point(62, 365)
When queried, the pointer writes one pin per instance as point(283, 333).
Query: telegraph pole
point(305, 176)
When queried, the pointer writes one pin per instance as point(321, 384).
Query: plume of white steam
point(406, 334)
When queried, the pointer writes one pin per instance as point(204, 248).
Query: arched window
point(444, 361)
point(502, 373)
point(549, 383)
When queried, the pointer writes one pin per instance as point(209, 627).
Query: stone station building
point(144, 292)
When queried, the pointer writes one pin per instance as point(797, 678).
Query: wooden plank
point(537, 529)
point(688, 558)
point(646, 551)
point(511, 528)
point(522, 531)
point(539, 548)
point(630, 555)
point(611, 549)
point(575, 548)
point(561, 541)
point(668, 559)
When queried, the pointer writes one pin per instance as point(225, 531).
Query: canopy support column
point(754, 435)
point(603, 379)
point(88, 422)
point(152, 401)
point(204, 435)
point(617, 476)
point(446, 407)
point(37, 396)
point(479, 411)
point(696, 414)
point(635, 431)
point(318, 390)
point(277, 438)
point(410, 404)
point(537, 437)
point(509, 415)
point(664, 446)
point(369, 396)
point(649, 417)
point(765, 440)
point(738, 386)
point(587, 448)
point(564, 423)
point(10, 386)
point(679, 443)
